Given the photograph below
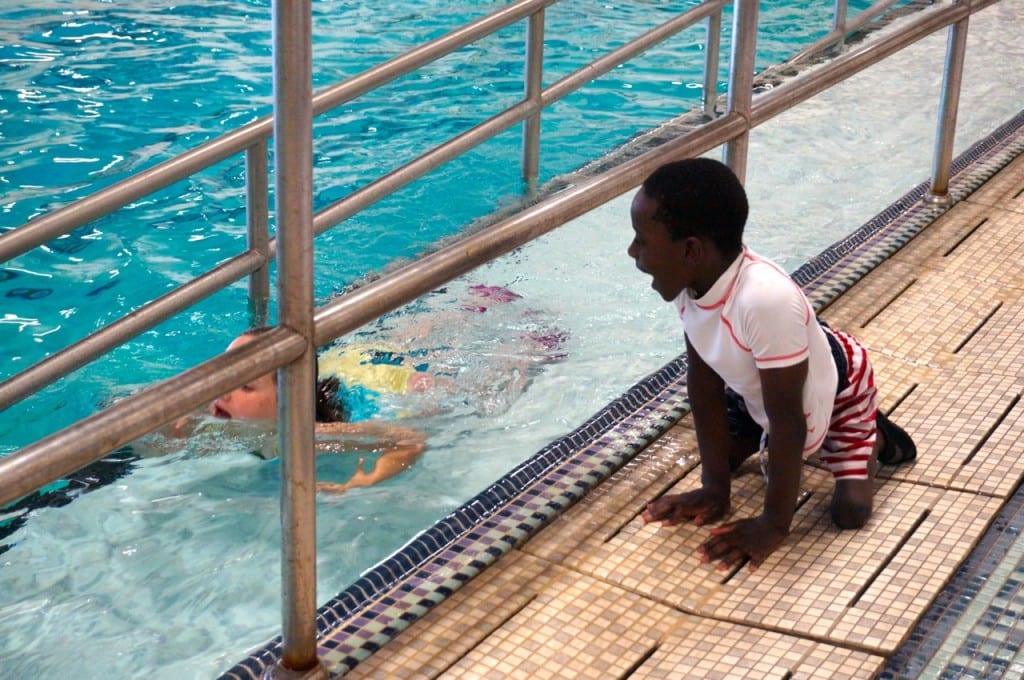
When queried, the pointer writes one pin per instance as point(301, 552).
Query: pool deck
point(568, 582)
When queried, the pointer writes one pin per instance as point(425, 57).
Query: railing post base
point(943, 200)
point(279, 672)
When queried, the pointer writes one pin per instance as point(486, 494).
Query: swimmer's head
point(257, 399)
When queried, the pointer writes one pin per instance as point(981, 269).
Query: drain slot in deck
point(903, 398)
point(884, 307)
point(505, 620)
point(903, 541)
point(640, 662)
point(991, 430)
point(970, 232)
point(978, 328)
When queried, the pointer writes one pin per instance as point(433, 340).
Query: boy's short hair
point(700, 197)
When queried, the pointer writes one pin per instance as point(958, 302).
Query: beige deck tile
point(941, 235)
point(662, 562)
point(869, 296)
point(447, 632)
point(1005, 190)
point(995, 467)
point(948, 417)
point(996, 348)
point(799, 587)
point(883, 617)
point(826, 662)
point(717, 650)
point(896, 379)
point(588, 523)
point(929, 321)
point(886, 282)
point(990, 255)
point(833, 584)
point(576, 627)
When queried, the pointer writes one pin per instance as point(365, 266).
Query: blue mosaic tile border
point(435, 564)
point(974, 628)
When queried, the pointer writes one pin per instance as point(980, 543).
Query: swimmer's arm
point(380, 432)
point(402, 454)
point(166, 438)
point(401, 447)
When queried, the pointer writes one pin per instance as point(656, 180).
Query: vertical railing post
point(945, 132)
point(741, 80)
point(293, 163)
point(712, 47)
point(839, 16)
point(256, 209)
point(534, 77)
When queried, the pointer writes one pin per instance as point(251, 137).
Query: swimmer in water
point(257, 400)
point(429, 366)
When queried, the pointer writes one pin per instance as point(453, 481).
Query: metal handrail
point(293, 174)
point(741, 81)
point(63, 220)
point(289, 346)
point(949, 104)
point(152, 313)
point(767, 106)
point(779, 99)
point(844, 26)
point(71, 448)
point(109, 428)
point(352, 310)
point(420, 166)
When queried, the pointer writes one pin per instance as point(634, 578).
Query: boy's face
point(255, 400)
point(656, 253)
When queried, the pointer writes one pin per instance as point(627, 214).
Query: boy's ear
point(693, 248)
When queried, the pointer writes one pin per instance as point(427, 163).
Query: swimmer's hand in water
point(359, 478)
point(401, 457)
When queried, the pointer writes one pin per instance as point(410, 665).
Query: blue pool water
point(93, 94)
point(174, 568)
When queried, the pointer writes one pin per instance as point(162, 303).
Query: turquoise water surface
point(92, 94)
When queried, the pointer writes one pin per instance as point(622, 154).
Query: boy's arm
point(396, 459)
point(706, 391)
point(758, 537)
point(401, 446)
point(783, 402)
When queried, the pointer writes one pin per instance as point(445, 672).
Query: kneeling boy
point(764, 373)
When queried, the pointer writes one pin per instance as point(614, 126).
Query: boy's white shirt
point(754, 317)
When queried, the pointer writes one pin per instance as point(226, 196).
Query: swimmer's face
point(255, 400)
